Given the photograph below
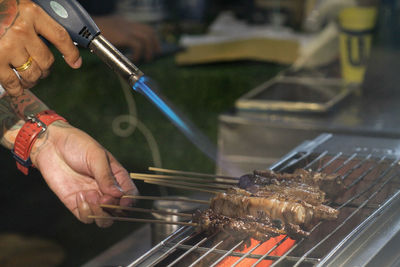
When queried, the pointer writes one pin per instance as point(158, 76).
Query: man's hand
point(139, 38)
point(81, 172)
point(20, 24)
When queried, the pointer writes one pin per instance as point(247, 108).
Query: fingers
point(58, 36)
point(42, 56)
point(137, 49)
point(88, 203)
point(124, 180)
point(148, 41)
point(30, 75)
point(9, 80)
point(99, 165)
point(147, 46)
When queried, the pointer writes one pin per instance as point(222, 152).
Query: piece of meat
point(331, 184)
point(309, 194)
point(238, 203)
point(245, 227)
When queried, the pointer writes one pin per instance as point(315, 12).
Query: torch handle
point(73, 17)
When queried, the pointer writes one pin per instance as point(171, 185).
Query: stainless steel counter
point(252, 139)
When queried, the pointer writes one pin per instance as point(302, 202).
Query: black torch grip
point(73, 17)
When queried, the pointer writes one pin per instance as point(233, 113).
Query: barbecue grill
point(365, 233)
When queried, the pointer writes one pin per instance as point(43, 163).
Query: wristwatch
point(27, 135)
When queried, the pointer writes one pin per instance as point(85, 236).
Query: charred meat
point(238, 203)
point(331, 184)
point(245, 227)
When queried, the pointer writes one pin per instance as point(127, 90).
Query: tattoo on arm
point(10, 123)
point(13, 111)
point(26, 104)
point(8, 14)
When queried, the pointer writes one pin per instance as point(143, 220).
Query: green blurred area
point(91, 98)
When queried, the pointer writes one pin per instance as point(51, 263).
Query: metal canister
point(160, 231)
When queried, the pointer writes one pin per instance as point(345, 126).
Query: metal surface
point(160, 231)
point(115, 59)
point(254, 140)
point(296, 94)
point(368, 220)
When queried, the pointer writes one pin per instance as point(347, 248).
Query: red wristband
point(27, 135)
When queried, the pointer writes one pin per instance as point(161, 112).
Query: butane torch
point(85, 33)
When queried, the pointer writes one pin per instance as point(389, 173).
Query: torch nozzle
point(115, 59)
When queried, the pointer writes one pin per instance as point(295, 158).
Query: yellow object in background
point(356, 25)
point(262, 49)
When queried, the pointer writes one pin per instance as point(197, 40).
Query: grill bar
point(227, 253)
point(329, 162)
point(345, 162)
point(187, 252)
point(356, 181)
point(178, 232)
point(169, 251)
point(240, 254)
point(317, 159)
point(285, 256)
point(347, 174)
point(247, 254)
point(293, 162)
point(375, 163)
point(358, 165)
point(346, 220)
point(269, 251)
point(386, 171)
point(207, 253)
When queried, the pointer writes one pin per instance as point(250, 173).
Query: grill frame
point(348, 249)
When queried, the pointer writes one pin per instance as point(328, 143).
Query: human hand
point(140, 38)
point(81, 172)
point(20, 25)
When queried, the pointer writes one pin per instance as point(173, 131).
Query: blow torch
point(85, 33)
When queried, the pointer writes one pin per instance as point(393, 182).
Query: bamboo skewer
point(202, 180)
point(125, 219)
point(192, 173)
point(197, 185)
point(167, 198)
point(146, 210)
point(182, 187)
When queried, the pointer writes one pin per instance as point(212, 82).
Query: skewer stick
point(221, 187)
point(168, 198)
point(182, 187)
point(201, 180)
point(126, 219)
point(192, 173)
point(146, 210)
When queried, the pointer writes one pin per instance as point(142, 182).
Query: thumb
point(99, 165)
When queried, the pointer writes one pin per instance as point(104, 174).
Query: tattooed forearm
point(26, 104)
point(10, 123)
point(8, 15)
point(13, 111)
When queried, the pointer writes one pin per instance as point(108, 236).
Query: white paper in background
point(2, 91)
point(228, 28)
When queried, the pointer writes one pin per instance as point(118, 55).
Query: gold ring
point(26, 65)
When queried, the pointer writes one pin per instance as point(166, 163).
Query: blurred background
point(256, 77)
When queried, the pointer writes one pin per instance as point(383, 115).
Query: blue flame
point(188, 129)
point(142, 87)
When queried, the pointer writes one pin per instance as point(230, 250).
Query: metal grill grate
point(371, 175)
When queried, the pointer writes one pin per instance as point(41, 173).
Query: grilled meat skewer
point(244, 227)
point(238, 203)
point(331, 184)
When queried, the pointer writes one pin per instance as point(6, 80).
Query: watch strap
point(27, 135)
